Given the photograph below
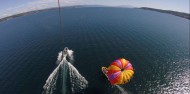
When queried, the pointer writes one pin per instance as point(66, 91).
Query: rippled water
point(157, 45)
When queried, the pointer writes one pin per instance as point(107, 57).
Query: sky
point(10, 7)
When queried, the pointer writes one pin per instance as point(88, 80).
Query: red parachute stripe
point(115, 80)
point(116, 64)
point(112, 71)
point(124, 62)
point(130, 68)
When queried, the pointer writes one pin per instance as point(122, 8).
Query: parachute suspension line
point(60, 22)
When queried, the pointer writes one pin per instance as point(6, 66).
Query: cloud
point(37, 5)
point(62, 2)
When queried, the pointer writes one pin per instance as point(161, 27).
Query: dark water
point(157, 44)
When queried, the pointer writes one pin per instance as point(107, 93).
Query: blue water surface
point(157, 44)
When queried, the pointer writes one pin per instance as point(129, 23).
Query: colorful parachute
point(120, 71)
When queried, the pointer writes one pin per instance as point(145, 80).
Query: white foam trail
point(50, 84)
point(70, 55)
point(59, 57)
point(78, 82)
point(121, 89)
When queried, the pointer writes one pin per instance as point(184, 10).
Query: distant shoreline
point(179, 14)
point(25, 13)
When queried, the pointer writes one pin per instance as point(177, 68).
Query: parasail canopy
point(120, 71)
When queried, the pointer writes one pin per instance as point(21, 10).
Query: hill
point(180, 14)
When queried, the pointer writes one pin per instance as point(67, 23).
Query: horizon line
point(118, 6)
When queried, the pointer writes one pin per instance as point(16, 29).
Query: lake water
point(157, 45)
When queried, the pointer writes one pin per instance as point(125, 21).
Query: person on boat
point(104, 70)
point(65, 52)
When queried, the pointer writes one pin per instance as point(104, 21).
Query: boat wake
point(122, 90)
point(57, 81)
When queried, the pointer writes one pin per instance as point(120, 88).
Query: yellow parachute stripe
point(120, 79)
point(125, 80)
point(128, 74)
point(131, 73)
point(123, 61)
point(113, 67)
